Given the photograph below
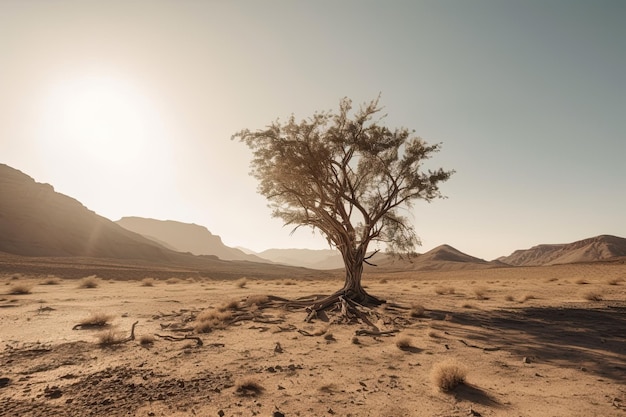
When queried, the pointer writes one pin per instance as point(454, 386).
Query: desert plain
point(531, 341)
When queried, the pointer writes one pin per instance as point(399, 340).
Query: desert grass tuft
point(21, 288)
point(147, 282)
point(480, 293)
point(51, 280)
point(98, 319)
point(249, 388)
point(289, 282)
point(448, 374)
point(527, 297)
point(172, 280)
point(592, 295)
point(91, 281)
point(417, 310)
point(146, 340)
point(256, 300)
point(404, 343)
point(241, 283)
point(614, 281)
point(509, 297)
point(441, 290)
point(208, 320)
point(109, 338)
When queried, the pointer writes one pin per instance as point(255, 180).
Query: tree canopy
point(346, 175)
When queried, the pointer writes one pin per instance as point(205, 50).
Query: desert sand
point(535, 341)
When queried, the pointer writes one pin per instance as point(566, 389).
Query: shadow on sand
point(591, 338)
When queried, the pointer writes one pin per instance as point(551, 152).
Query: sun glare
point(98, 117)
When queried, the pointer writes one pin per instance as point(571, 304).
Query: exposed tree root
point(186, 337)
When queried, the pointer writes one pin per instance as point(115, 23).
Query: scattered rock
point(278, 414)
point(526, 359)
point(4, 382)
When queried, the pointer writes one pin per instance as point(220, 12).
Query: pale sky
point(129, 106)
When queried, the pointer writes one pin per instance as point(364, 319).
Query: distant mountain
point(42, 230)
point(599, 248)
point(185, 237)
point(308, 258)
point(37, 221)
point(443, 257)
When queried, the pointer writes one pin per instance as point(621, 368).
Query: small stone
point(221, 413)
point(278, 414)
point(526, 359)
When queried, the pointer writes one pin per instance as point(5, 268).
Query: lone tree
point(347, 176)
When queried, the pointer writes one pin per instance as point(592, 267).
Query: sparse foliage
point(349, 177)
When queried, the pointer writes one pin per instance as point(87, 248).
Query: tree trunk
point(352, 288)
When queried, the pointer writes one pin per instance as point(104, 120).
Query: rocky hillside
point(37, 221)
point(599, 248)
point(185, 237)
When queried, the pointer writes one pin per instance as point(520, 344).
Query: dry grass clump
point(614, 281)
point(417, 310)
point(441, 290)
point(51, 280)
point(289, 282)
point(21, 288)
point(509, 297)
point(592, 295)
point(383, 281)
point(255, 300)
point(98, 319)
point(448, 374)
point(208, 320)
point(249, 388)
point(241, 283)
point(91, 281)
point(527, 297)
point(109, 338)
point(404, 342)
point(147, 282)
point(172, 280)
point(146, 340)
point(480, 293)
point(468, 305)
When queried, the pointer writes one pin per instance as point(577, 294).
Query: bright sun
point(100, 118)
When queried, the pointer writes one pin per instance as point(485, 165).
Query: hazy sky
point(129, 106)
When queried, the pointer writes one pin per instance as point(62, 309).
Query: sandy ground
point(547, 341)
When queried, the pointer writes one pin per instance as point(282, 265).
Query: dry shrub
point(16, 276)
point(527, 297)
point(383, 281)
point(417, 310)
point(232, 305)
point(448, 374)
point(614, 281)
point(146, 340)
point(404, 342)
point(581, 281)
point(172, 280)
point(99, 319)
point(51, 280)
point(468, 305)
point(256, 300)
point(208, 320)
point(91, 281)
point(147, 282)
point(289, 282)
point(241, 283)
point(249, 388)
point(21, 288)
point(441, 290)
point(355, 340)
point(509, 297)
point(109, 338)
point(592, 295)
point(480, 293)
